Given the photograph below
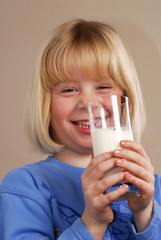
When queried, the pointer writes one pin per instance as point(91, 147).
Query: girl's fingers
point(114, 195)
point(135, 169)
point(107, 182)
point(134, 157)
point(100, 169)
point(102, 201)
point(146, 188)
point(96, 161)
point(134, 146)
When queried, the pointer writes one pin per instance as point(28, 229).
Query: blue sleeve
point(77, 231)
point(23, 218)
point(154, 229)
point(25, 213)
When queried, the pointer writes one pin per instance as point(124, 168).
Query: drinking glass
point(109, 119)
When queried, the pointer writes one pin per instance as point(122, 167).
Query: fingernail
point(125, 186)
point(120, 161)
point(123, 142)
point(117, 152)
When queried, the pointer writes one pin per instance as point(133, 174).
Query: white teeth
point(83, 124)
point(86, 123)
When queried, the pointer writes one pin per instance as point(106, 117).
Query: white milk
point(107, 140)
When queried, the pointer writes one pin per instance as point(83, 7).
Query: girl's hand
point(140, 173)
point(98, 214)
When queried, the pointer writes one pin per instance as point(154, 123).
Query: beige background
point(23, 26)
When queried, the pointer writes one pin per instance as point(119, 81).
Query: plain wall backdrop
point(24, 24)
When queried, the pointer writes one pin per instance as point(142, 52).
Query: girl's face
point(69, 109)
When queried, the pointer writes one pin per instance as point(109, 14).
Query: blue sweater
point(44, 200)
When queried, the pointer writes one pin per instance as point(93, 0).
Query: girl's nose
point(86, 99)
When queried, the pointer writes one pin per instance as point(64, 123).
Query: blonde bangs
point(89, 55)
point(90, 61)
point(97, 52)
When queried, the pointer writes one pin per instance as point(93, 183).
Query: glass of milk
point(109, 119)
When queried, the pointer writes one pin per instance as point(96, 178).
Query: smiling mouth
point(86, 124)
point(82, 124)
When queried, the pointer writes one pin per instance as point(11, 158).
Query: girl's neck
point(73, 158)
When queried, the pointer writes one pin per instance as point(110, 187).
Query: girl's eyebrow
point(60, 83)
point(63, 84)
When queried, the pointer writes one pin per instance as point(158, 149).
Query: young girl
point(63, 196)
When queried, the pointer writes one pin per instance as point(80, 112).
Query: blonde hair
point(92, 47)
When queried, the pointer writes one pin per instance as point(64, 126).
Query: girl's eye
point(69, 91)
point(102, 87)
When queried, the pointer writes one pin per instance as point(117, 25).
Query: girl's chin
point(84, 148)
